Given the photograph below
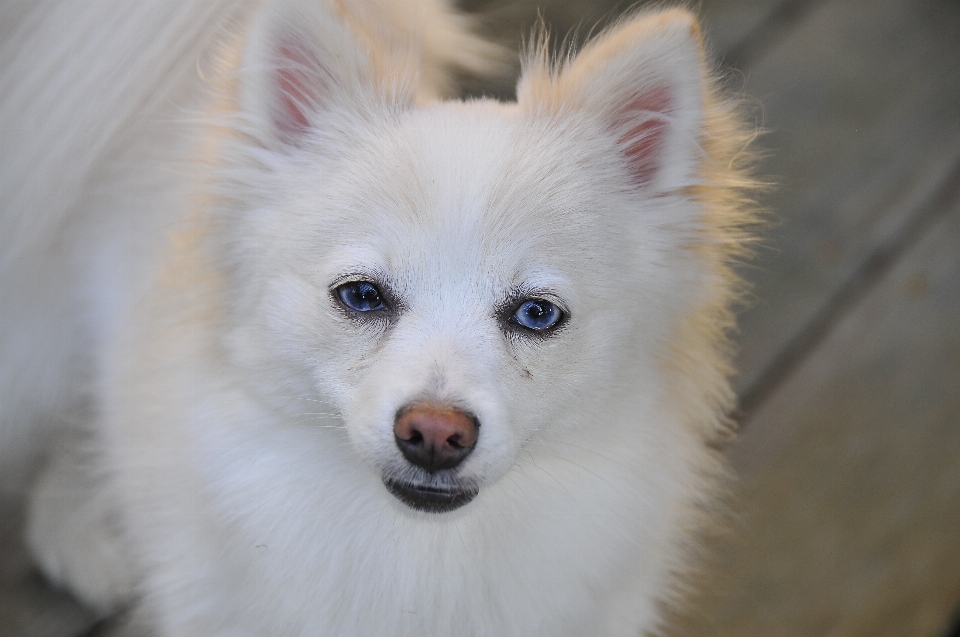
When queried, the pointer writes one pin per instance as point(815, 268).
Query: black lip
point(430, 499)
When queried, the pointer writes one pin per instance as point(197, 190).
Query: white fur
point(244, 421)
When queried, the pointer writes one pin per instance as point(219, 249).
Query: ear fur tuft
point(644, 79)
point(642, 126)
point(303, 59)
point(301, 84)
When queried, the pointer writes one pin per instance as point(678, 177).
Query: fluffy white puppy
point(349, 359)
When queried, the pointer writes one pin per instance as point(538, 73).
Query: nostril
point(435, 437)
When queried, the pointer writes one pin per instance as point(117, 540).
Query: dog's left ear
point(644, 82)
point(305, 61)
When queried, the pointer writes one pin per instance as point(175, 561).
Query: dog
point(325, 352)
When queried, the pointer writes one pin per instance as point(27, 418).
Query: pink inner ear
point(643, 132)
point(301, 80)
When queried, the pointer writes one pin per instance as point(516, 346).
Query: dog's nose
point(435, 437)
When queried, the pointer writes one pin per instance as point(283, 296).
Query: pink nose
point(435, 437)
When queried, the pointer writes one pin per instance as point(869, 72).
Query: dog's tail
point(72, 78)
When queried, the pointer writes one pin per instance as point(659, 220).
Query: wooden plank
point(861, 280)
point(866, 105)
point(861, 100)
point(851, 493)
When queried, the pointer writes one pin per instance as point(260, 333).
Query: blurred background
point(846, 513)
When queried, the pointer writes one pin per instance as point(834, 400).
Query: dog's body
point(259, 299)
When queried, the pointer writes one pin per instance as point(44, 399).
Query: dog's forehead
point(477, 176)
point(475, 198)
point(490, 159)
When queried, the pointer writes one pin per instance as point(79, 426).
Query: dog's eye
point(360, 296)
point(538, 315)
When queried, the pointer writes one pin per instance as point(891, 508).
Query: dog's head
point(453, 282)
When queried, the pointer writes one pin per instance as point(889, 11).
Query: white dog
point(346, 359)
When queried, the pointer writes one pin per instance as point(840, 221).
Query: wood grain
point(861, 101)
point(851, 472)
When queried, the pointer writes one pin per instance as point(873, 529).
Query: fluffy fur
point(175, 299)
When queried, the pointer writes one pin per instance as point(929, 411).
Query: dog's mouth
point(429, 498)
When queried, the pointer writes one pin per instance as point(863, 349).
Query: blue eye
point(537, 315)
point(361, 296)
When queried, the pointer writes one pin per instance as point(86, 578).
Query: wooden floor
point(847, 515)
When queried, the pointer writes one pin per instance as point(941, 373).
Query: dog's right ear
point(642, 80)
point(303, 60)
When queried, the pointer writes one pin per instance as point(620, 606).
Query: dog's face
point(453, 281)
